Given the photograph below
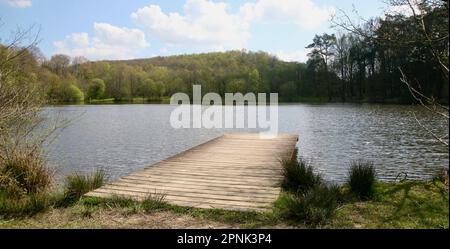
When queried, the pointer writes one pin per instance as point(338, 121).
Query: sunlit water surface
point(124, 138)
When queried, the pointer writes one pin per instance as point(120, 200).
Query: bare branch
point(440, 139)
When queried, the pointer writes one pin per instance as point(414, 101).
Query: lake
point(124, 138)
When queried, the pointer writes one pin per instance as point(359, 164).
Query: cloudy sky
point(125, 29)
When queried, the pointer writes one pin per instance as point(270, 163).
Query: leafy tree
point(323, 48)
point(288, 91)
point(96, 89)
point(147, 88)
point(74, 94)
point(159, 89)
point(236, 86)
point(254, 81)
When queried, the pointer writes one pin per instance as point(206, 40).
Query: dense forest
point(353, 65)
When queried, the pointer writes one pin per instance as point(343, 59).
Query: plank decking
point(233, 172)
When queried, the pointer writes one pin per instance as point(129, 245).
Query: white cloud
point(297, 55)
point(404, 9)
point(80, 39)
point(304, 13)
point(19, 3)
point(204, 24)
point(108, 42)
point(211, 26)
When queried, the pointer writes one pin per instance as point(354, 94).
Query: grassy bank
point(407, 204)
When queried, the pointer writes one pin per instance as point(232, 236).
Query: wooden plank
point(223, 168)
point(164, 181)
point(212, 177)
point(239, 184)
point(234, 172)
point(200, 188)
point(221, 195)
point(216, 173)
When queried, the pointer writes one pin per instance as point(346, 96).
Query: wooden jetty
point(232, 172)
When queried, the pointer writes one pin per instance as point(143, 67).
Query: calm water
point(124, 138)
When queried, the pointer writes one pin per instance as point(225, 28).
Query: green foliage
point(315, 206)
point(74, 94)
point(344, 68)
point(308, 199)
point(361, 179)
point(289, 91)
point(65, 92)
point(154, 202)
point(77, 185)
point(96, 89)
point(159, 89)
point(25, 206)
point(116, 201)
point(254, 79)
point(299, 176)
point(147, 88)
point(408, 204)
point(236, 86)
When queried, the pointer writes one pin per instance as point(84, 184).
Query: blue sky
point(124, 29)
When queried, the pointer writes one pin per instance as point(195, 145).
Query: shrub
point(25, 206)
point(361, 180)
point(299, 176)
point(24, 173)
point(75, 94)
point(314, 206)
point(66, 92)
point(77, 185)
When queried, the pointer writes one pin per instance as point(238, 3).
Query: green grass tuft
point(361, 179)
point(299, 176)
point(313, 207)
point(25, 206)
point(154, 202)
point(77, 185)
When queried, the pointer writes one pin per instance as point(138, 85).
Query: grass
point(307, 198)
point(313, 207)
point(155, 203)
point(299, 176)
point(32, 202)
point(361, 179)
point(24, 173)
point(25, 206)
point(408, 204)
point(306, 201)
point(245, 219)
point(24, 184)
point(77, 185)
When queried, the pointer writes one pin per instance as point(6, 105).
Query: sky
point(128, 29)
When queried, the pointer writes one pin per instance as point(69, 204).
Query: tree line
point(342, 67)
